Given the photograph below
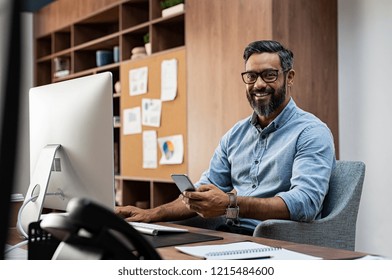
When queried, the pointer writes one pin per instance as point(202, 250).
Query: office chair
point(337, 226)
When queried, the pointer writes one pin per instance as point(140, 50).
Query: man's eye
point(270, 74)
point(251, 76)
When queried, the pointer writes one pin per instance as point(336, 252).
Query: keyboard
point(155, 229)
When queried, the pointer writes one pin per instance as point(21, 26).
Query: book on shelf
point(243, 251)
point(61, 66)
point(61, 73)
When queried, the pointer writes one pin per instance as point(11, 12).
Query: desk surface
point(170, 253)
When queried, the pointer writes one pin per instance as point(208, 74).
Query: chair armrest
point(317, 232)
point(280, 229)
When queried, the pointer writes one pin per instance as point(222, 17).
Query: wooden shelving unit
point(122, 24)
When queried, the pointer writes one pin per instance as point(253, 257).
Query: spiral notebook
point(241, 251)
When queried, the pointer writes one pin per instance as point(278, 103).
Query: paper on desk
point(243, 250)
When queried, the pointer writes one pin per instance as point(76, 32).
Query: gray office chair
point(336, 228)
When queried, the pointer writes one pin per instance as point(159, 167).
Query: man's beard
point(275, 101)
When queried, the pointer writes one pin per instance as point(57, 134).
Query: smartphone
point(183, 182)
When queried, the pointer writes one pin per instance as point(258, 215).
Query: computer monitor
point(71, 145)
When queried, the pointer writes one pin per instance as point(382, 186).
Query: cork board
point(173, 116)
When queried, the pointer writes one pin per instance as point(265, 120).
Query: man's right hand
point(172, 211)
point(133, 214)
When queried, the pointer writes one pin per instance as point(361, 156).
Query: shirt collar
point(279, 121)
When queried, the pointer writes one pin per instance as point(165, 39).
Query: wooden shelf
point(122, 23)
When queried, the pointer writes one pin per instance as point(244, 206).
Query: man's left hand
point(207, 201)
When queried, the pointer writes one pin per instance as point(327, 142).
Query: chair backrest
point(345, 189)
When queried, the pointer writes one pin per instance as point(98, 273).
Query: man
point(275, 164)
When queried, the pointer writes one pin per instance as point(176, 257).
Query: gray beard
point(272, 106)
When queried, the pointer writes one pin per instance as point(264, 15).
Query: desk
point(170, 253)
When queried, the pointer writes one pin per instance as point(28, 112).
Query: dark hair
point(286, 56)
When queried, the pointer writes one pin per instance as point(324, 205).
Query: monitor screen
point(71, 145)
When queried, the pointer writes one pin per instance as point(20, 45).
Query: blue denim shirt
point(292, 158)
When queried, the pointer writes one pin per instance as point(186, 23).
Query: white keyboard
point(155, 229)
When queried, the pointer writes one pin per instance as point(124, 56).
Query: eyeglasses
point(268, 76)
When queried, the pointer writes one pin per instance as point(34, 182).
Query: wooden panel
point(309, 29)
point(173, 119)
point(64, 12)
point(216, 34)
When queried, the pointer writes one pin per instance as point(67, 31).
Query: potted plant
point(170, 7)
point(147, 44)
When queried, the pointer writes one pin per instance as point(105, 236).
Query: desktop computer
point(71, 146)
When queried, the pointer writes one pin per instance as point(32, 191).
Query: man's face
point(266, 99)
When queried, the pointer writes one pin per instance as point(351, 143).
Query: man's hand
point(208, 201)
point(133, 214)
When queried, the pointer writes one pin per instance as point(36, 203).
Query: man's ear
point(290, 77)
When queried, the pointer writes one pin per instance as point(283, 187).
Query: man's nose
point(260, 83)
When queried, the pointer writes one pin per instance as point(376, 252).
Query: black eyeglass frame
point(260, 74)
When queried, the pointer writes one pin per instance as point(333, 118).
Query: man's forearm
point(263, 208)
point(172, 211)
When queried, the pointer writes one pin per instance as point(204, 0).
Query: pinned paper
point(150, 150)
point(132, 121)
point(168, 80)
point(138, 79)
point(172, 149)
point(151, 112)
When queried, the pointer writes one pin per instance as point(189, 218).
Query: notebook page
point(242, 250)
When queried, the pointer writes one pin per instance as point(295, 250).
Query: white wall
point(365, 115)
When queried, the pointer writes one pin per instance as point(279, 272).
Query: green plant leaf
point(170, 3)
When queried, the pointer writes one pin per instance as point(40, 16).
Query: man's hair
point(286, 56)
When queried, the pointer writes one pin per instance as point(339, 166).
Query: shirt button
point(253, 186)
point(256, 162)
point(263, 136)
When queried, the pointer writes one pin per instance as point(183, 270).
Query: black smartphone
point(183, 182)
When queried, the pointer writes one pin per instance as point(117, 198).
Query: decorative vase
point(147, 46)
point(173, 10)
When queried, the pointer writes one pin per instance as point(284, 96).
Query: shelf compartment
point(97, 26)
point(134, 192)
point(44, 72)
point(163, 193)
point(103, 43)
point(62, 65)
point(85, 58)
point(134, 13)
point(44, 46)
point(168, 33)
point(62, 40)
point(131, 40)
